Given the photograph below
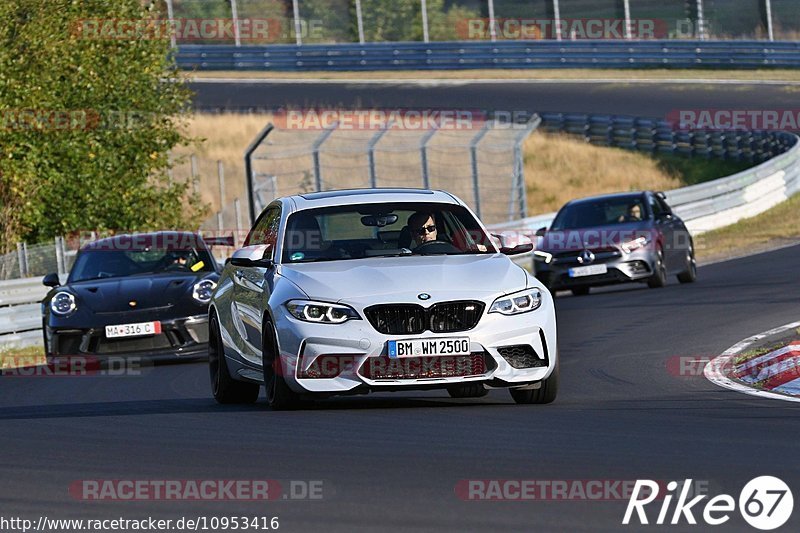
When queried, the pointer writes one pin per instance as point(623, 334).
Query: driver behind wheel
point(423, 227)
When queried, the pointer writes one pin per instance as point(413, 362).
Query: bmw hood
point(403, 279)
point(115, 294)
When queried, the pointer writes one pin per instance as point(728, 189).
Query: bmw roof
point(377, 195)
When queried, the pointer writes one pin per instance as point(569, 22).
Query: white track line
point(715, 370)
point(472, 81)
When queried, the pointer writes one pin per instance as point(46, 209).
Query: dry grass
point(516, 74)
point(775, 227)
point(560, 168)
point(21, 357)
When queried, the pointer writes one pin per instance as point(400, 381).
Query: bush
point(86, 123)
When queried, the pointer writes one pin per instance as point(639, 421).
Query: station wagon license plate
point(427, 347)
point(133, 330)
point(589, 270)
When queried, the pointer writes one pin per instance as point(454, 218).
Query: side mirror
point(541, 231)
point(257, 255)
point(51, 280)
point(513, 244)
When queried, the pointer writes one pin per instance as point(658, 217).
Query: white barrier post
point(359, 22)
point(237, 39)
point(297, 29)
point(768, 7)
point(170, 24)
point(424, 7)
point(492, 22)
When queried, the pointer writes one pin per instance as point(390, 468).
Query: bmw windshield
point(381, 230)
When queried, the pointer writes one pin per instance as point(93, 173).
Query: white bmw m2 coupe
point(355, 291)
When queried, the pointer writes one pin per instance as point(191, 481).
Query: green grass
point(19, 357)
point(693, 170)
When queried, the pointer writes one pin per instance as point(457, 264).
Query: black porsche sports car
point(133, 295)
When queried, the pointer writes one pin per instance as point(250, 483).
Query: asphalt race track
point(650, 100)
point(393, 461)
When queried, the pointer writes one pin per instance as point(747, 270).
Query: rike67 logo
point(765, 503)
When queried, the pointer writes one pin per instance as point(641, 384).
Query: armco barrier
point(705, 206)
point(20, 311)
point(454, 55)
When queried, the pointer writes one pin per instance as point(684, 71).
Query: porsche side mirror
point(51, 280)
point(257, 255)
point(541, 231)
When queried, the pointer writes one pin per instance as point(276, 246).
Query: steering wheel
point(177, 267)
point(435, 247)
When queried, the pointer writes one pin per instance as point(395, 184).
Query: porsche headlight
point(63, 304)
point(518, 302)
point(203, 290)
point(321, 312)
point(542, 256)
point(635, 244)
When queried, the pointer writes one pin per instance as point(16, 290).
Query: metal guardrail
point(453, 55)
point(20, 311)
point(705, 206)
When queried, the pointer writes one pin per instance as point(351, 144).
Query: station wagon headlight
point(542, 256)
point(321, 312)
point(203, 290)
point(519, 302)
point(635, 244)
point(63, 303)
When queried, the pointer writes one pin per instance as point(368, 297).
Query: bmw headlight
point(63, 303)
point(635, 244)
point(203, 290)
point(519, 302)
point(539, 255)
point(324, 313)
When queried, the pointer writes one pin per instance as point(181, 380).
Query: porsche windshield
point(101, 263)
point(381, 230)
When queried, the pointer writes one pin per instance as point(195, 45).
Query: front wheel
point(545, 394)
point(659, 277)
point(224, 388)
point(690, 274)
point(279, 395)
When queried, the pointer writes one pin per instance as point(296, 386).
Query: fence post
point(557, 19)
point(237, 39)
point(220, 222)
point(627, 6)
point(248, 168)
point(315, 151)
point(768, 8)
point(473, 151)
point(22, 258)
point(519, 168)
point(221, 176)
point(359, 22)
point(492, 22)
point(195, 183)
point(238, 214)
point(701, 21)
point(60, 265)
point(424, 8)
point(373, 178)
point(297, 29)
point(171, 25)
point(423, 155)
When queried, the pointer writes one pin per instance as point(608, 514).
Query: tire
point(690, 274)
point(279, 396)
point(580, 291)
point(467, 390)
point(545, 394)
point(225, 389)
point(659, 277)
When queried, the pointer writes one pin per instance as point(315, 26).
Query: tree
point(88, 117)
